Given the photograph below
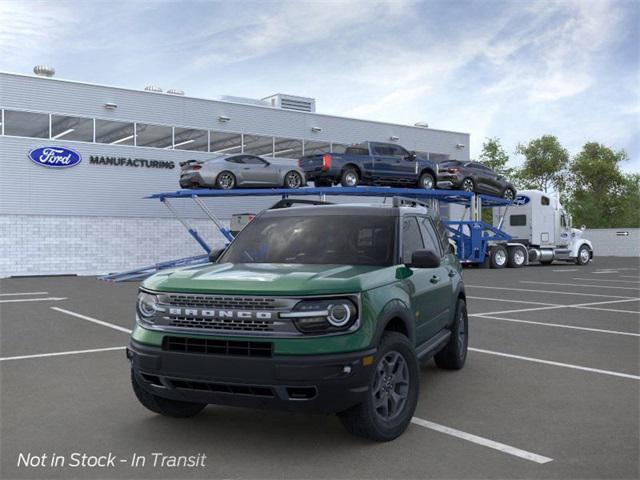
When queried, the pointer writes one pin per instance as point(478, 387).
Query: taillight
point(299, 163)
point(454, 170)
point(196, 167)
point(326, 161)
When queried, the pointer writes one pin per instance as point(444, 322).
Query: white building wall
point(612, 242)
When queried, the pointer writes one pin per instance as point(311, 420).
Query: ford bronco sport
point(325, 308)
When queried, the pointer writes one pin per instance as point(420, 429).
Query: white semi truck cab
point(539, 224)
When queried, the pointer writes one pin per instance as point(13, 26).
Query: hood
point(272, 279)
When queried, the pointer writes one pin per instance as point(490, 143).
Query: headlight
point(323, 315)
point(147, 306)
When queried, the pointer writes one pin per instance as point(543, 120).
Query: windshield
point(316, 239)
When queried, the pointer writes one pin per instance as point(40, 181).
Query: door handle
point(435, 279)
point(452, 273)
point(247, 168)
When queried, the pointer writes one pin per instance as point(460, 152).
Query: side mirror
point(424, 259)
point(215, 254)
point(412, 156)
point(583, 227)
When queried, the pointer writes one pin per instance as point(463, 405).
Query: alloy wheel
point(467, 185)
point(427, 182)
point(293, 180)
point(508, 194)
point(226, 181)
point(351, 179)
point(390, 386)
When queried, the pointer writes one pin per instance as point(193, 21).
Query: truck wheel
point(584, 255)
point(164, 406)
point(498, 256)
point(517, 257)
point(226, 180)
point(427, 181)
point(392, 394)
point(454, 354)
point(349, 178)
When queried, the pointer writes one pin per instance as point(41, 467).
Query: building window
point(156, 136)
point(287, 148)
point(225, 143)
point(191, 139)
point(258, 145)
point(114, 133)
point(26, 124)
point(313, 148)
point(71, 128)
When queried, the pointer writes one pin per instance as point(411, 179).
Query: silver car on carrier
point(241, 170)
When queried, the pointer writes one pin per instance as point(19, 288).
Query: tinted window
point(442, 232)
point(518, 220)
point(251, 160)
point(237, 159)
point(398, 151)
point(431, 240)
point(114, 133)
point(71, 128)
point(191, 139)
point(411, 238)
point(346, 240)
point(379, 149)
point(26, 124)
point(357, 151)
point(544, 201)
point(157, 136)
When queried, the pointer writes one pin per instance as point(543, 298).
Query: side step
point(432, 346)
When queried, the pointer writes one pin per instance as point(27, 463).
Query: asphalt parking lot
point(551, 389)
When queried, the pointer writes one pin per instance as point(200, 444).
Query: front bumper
point(449, 180)
point(307, 383)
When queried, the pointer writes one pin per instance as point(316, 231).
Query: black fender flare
point(392, 310)
point(428, 170)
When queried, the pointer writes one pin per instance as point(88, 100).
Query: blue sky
point(514, 70)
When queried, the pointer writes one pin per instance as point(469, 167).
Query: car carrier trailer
point(475, 242)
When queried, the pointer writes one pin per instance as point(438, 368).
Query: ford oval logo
point(55, 157)
point(521, 200)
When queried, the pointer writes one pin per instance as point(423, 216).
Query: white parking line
point(57, 354)
point(19, 300)
point(556, 364)
point(555, 307)
point(530, 290)
point(558, 325)
point(23, 293)
point(514, 301)
point(485, 442)
point(551, 306)
point(628, 276)
point(581, 285)
point(92, 320)
point(567, 270)
point(604, 280)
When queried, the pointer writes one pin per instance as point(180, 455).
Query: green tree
point(600, 195)
point(545, 164)
point(494, 156)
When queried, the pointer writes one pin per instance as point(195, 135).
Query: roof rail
point(409, 202)
point(290, 202)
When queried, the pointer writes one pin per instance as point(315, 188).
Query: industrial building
point(92, 217)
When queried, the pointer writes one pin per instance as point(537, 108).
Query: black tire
point(498, 258)
point(293, 179)
point(517, 257)
point(367, 420)
point(546, 262)
point(454, 354)
point(509, 194)
point(349, 177)
point(584, 255)
point(427, 181)
point(164, 406)
point(468, 185)
point(225, 180)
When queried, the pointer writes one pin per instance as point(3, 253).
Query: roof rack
point(290, 202)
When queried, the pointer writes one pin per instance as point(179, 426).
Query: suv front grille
point(215, 301)
point(217, 347)
point(201, 323)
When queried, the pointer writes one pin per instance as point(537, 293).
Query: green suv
point(323, 308)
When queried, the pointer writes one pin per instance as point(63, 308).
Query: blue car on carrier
point(371, 163)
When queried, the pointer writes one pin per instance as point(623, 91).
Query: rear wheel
point(226, 180)
point(584, 255)
point(453, 356)
point(427, 181)
point(509, 194)
point(164, 406)
point(293, 179)
point(468, 185)
point(498, 256)
point(517, 257)
point(392, 395)
point(349, 178)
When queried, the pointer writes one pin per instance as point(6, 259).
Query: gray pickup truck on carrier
point(371, 163)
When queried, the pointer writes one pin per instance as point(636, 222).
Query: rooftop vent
point(44, 71)
point(291, 102)
point(421, 124)
point(153, 88)
point(175, 91)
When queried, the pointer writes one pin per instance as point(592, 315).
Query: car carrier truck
point(540, 231)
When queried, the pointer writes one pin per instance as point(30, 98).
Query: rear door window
point(431, 240)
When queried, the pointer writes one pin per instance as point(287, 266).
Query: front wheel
point(293, 179)
point(226, 180)
point(584, 255)
point(427, 181)
point(509, 194)
point(468, 185)
point(392, 394)
point(164, 406)
point(454, 354)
